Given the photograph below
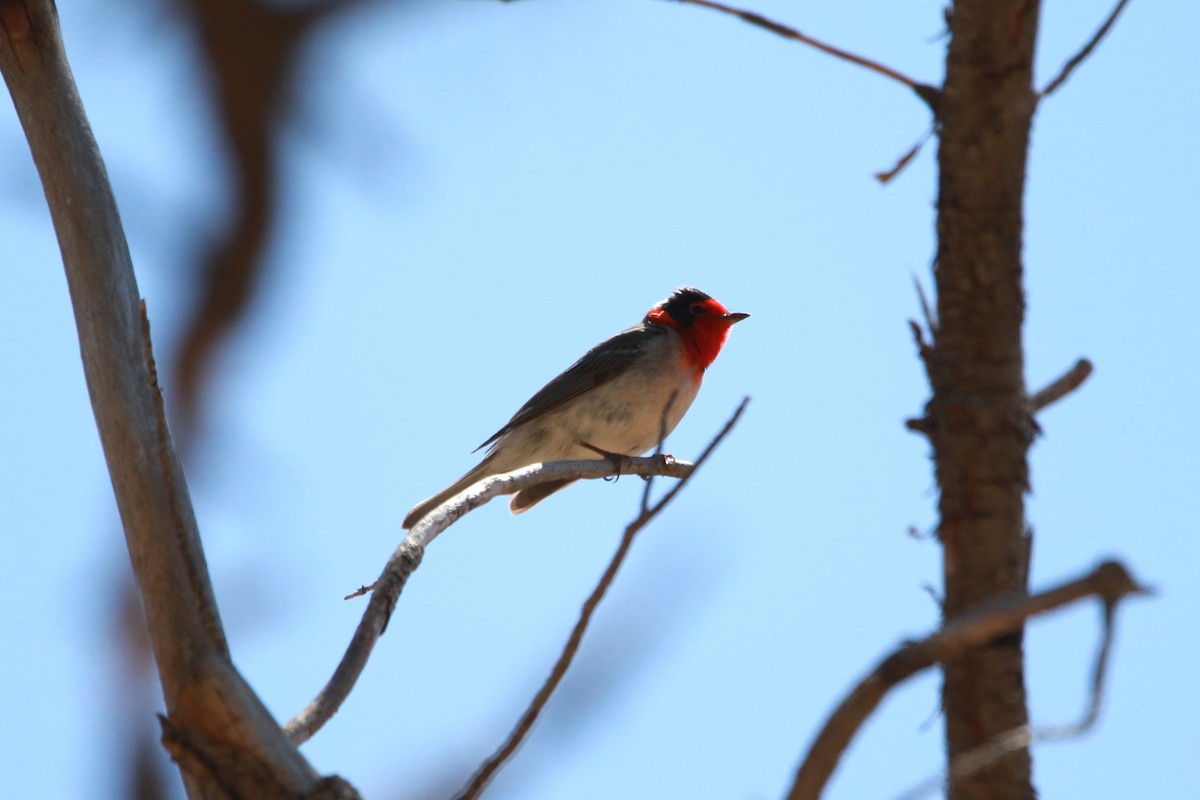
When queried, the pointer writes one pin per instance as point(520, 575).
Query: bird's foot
point(620, 461)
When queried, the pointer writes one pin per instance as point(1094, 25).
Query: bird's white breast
point(624, 415)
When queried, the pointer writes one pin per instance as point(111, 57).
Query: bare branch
point(217, 760)
point(493, 765)
point(887, 175)
point(926, 92)
point(931, 322)
point(251, 51)
point(1078, 58)
point(445, 515)
point(205, 696)
point(1068, 383)
point(386, 590)
point(662, 437)
point(925, 350)
point(1110, 581)
point(1023, 737)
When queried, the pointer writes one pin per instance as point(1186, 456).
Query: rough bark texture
point(979, 415)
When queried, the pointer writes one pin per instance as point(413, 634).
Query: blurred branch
point(647, 513)
point(886, 176)
point(926, 92)
point(1079, 57)
point(250, 49)
point(205, 696)
point(924, 350)
point(1025, 736)
point(385, 591)
point(1069, 382)
point(1110, 582)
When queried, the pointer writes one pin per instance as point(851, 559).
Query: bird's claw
point(618, 460)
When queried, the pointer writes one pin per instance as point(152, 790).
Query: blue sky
point(478, 192)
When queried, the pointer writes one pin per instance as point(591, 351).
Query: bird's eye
point(698, 309)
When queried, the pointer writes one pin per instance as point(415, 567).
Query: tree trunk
point(980, 422)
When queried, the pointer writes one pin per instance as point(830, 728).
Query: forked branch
point(207, 700)
point(1110, 582)
point(385, 591)
point(1026, 735)
point(647, 513)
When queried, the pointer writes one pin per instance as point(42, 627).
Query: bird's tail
point(521, 501)
point(526, 499)
point(421, 509)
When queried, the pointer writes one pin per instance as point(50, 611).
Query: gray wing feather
point(597, 366)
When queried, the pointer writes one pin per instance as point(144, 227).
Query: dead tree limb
point(1110, 582)
point(385, 591)
point(206, 698)
point(1085, 51)
point(923, 90)
point(487, 771)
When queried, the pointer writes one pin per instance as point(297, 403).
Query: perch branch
point(385, 591)
point(1110, 581)
point(926, 92)
point(493, 765)
point(1079, 57)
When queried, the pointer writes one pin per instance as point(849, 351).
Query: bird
point(610, 402)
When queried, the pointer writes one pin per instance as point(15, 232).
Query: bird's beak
point(734, 317)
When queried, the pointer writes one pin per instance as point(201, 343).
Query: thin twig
point(926, 308)
point(662, 437)
point(926, 92)
point(1069, 382)
point(1110, 581)
point(886, 176)
point(1078, 58)
point(1025, 736)
point(925, 350)
point(387, 588)
point(493, 765)
point(407, 557)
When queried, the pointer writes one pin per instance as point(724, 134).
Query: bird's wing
point(597, 366)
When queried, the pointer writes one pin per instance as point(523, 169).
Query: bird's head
point(700, 321)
